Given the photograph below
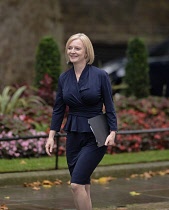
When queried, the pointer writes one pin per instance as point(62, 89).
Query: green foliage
point(15, 125)
point(12, 98)
point(40, 126)
point(137, 69)
point(48, 61)
point(9, 100)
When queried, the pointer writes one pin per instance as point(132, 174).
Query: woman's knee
point(76, 187)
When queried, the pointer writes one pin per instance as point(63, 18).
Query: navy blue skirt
point(83, 156)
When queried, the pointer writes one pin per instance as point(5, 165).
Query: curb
point(124, 170)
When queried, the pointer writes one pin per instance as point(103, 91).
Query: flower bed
point(132, 114)
point(26, 121)
point(152, 112)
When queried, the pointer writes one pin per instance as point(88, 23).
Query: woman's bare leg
point(81, 196)
point(87, 187)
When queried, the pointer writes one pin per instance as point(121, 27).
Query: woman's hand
point(49, 146)
point(110, 141)
point(50, 142)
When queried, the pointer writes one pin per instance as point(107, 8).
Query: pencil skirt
point(83, 155)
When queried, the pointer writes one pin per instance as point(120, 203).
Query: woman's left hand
point(110, 141)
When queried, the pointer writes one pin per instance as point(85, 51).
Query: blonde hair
point(87, 44)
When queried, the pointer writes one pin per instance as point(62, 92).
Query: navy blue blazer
point(84, 98)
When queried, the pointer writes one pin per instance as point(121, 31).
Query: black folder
point(100, 128)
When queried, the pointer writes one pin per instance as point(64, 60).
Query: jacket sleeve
point(58, 109)
point(108, 102)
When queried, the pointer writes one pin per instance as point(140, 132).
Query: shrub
point(28, 115)
point(138, 114)
point(47, 61)
point(45, 90)
point(137, 69)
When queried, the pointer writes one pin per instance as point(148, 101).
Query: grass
point(48, 163)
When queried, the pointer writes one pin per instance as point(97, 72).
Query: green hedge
point(48, 61)
point(137, 69)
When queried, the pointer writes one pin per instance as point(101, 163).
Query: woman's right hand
point(49, 145)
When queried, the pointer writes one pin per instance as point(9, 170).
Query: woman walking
point(84, 88)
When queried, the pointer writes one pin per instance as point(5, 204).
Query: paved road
point(119, 192)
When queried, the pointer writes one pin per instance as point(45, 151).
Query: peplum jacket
point(84, 98)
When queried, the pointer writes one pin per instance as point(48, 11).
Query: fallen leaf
point(147, 175)
point(95, 181)
point(121, 208)
point(133, 193)
point(162, 173)
point(57, 182)
point(32, 184)
point(47, 183)
point(47, 186)
point(103, 180)
point(68, 182)
point(36, 188)
point(134, 176)
point(23, 162)
point(3, 207)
